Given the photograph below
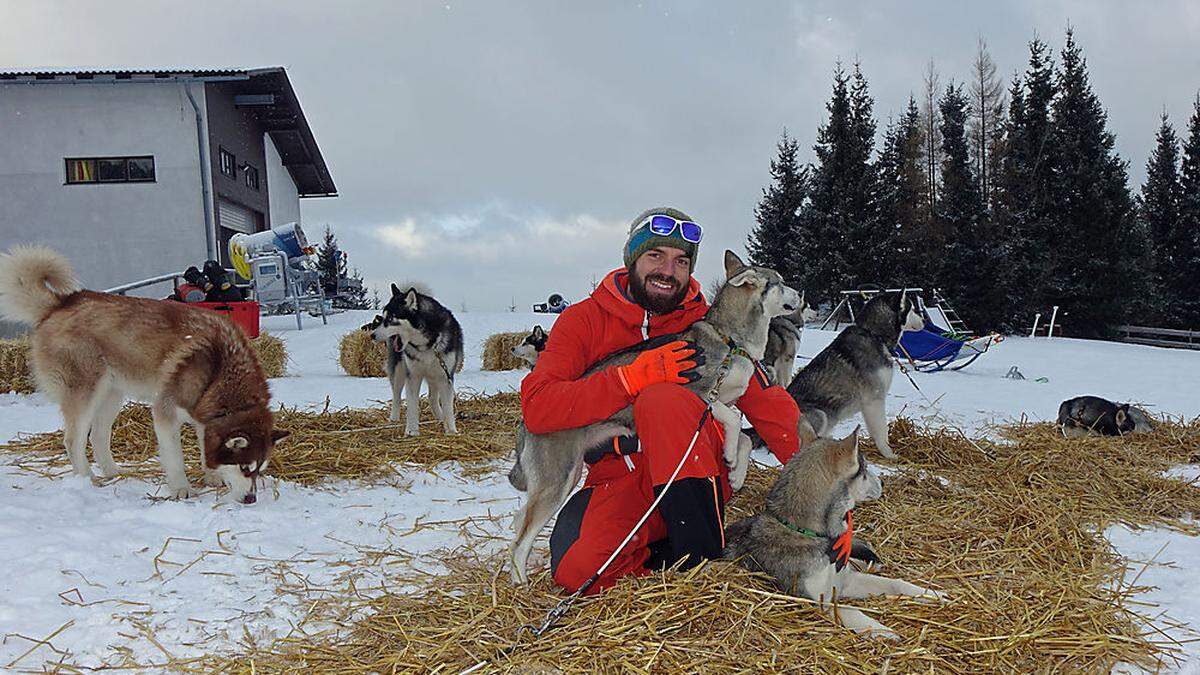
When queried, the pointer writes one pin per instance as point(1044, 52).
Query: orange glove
point(839, 549)
point(673, 362)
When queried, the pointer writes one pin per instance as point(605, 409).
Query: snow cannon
point(287, 240)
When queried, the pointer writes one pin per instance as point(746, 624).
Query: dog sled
point(934, 347)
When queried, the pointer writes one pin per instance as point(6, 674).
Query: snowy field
point(106, 576)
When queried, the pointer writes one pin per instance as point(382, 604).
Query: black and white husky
point(854, 373)
point(425, 344)
point(531, 347)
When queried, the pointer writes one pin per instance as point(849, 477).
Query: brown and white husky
point(92, 350)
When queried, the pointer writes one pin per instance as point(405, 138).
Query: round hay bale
point(360, 356)
point(16, 372)
point(271, 354)
point(497, 351)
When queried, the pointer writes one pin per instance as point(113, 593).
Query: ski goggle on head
point(664, 226)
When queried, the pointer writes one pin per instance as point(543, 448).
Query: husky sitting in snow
point(804, 539)
point(425, 344)
point(854, 373)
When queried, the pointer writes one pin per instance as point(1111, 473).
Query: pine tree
point(933, 142)
point(902, 186)
point(331, 263)
point(772, 242)
point(975, 259)
point(1158, 208)
point(869, 253)
point(987, 110)
point(1023, 187)
point(1092, 276)
point(1188, 252)
point(354, 293)
point(839, 243)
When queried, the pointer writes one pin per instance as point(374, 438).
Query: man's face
point(660, 279)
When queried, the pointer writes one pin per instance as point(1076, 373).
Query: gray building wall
point(237, 131)
point(116, 232)
point(285, 199)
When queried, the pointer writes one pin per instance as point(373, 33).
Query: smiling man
point(653, 295)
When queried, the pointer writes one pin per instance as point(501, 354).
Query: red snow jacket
point(555, 396)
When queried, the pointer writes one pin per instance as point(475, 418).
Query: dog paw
point(212, 479)
point(184, 492)
point(737, 477)
point(110, 471)
point(412, 432)
point(394, 416)
point(887, 452)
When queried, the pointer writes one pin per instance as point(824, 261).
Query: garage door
point(236, 217)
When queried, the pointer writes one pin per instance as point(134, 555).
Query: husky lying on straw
point(805, 536)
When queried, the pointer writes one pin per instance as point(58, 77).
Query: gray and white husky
point(796, 538)
point(549, 465)
point(425, 344)
point(854, 373)
point(783, 340)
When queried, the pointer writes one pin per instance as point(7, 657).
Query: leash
point(563, 606)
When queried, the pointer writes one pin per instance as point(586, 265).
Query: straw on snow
point(350, 443)
point(1013, 534)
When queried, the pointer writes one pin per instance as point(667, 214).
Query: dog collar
point(839, 548)
point(812, 534)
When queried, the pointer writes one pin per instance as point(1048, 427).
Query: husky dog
point(92, 350)
point(782, 342)
point(1091, 414)
point(531, 347)
point(804, 537)
point(549, 465)
point(425, 344)
point(853, 374)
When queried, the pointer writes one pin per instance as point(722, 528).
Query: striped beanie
point(641, 239)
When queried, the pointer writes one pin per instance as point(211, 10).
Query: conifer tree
point(1158, 208)
point(772, 243)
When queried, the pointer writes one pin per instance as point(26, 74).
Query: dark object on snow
point(555, 304)
point(222, 289)
point(1083, 414)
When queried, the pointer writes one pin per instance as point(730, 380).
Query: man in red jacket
point(654, 294)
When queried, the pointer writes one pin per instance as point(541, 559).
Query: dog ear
point(279, 434)
point(747, 277)
point(411, 299)
point(396, 291)
point(1122, 415)
point(237, 442)
point(538, 332)
point(733, 264)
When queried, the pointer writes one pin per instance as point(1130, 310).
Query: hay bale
point(271, 354)
point(360, 356)
point(16, 372)
point(497, 351)
point(348, 444)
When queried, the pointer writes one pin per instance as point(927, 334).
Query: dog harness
point(839, 547)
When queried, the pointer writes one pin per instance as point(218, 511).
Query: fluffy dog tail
point(33, 281)
point(516, 475)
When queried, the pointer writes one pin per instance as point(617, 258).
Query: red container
point(244, 314)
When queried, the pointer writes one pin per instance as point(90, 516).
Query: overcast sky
point(497, 150)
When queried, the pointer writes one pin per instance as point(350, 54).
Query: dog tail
point(33, 281)
point(516, 475)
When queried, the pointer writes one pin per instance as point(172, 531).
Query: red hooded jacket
point(555, 396)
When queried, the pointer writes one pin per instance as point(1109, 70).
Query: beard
point(656, 304)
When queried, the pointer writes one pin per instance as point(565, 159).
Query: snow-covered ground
point(111, 574)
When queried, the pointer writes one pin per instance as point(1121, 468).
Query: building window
point(228, 163)
point(251, 177)
point(110, 169)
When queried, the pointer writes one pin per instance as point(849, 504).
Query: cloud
point(403, 237)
